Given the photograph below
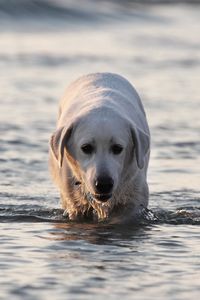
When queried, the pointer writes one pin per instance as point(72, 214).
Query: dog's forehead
point(103, 128)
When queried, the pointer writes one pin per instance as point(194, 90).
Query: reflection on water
point(44, 46)
point(89, 260)
point(95, 234)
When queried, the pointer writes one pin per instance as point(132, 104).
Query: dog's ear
point(141, 141)
point(58, 142)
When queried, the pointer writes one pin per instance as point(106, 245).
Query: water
point(45, 45)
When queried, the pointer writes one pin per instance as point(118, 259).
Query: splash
point(179, 216)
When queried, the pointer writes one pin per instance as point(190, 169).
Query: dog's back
point(101, 90)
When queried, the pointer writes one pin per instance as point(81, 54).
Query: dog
point(100, 150)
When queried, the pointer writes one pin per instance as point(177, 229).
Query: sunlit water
point(42, 49)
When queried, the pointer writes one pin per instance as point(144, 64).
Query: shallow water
point(43, 48)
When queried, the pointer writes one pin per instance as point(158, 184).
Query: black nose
point(104, 185)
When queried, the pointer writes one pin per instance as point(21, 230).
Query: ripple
point(19, 214)
point(180, 216)
point(186, 215)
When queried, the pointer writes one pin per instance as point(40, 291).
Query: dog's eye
point(116, 149)
point(87, 149)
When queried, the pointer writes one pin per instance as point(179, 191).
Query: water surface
point(44, 46)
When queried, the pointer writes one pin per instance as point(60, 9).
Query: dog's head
point(100, 148)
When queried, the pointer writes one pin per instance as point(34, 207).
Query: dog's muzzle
point(102, 197)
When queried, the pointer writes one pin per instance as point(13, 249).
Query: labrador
point(99, 152)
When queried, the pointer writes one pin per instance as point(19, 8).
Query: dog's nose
point(104, 185)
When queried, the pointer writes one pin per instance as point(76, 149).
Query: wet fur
point(130, 197)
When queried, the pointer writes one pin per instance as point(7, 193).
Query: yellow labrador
point(99, 152)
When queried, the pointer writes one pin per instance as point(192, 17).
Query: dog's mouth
point(98, 197)
point(102, 197)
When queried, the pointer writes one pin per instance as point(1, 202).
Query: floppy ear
point(58, 141)
point(141, 141)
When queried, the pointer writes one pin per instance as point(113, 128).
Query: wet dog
point(99, 152)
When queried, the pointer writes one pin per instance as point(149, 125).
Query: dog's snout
point(104, 185)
